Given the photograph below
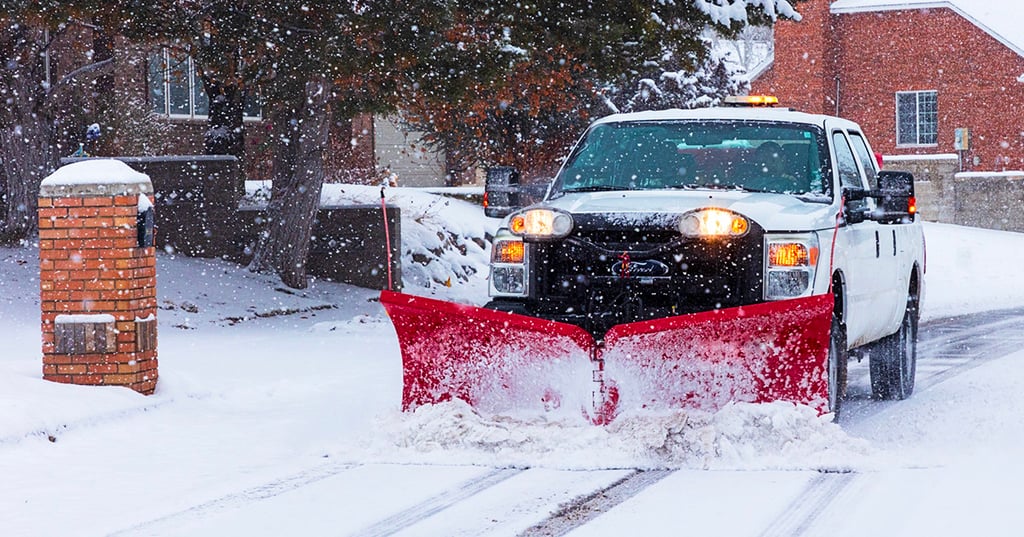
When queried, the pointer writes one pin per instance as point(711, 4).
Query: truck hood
point(773, 212)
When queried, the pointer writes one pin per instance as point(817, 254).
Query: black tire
point(838, 360)
point(894, 359)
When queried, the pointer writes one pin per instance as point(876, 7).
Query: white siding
point(405, 154)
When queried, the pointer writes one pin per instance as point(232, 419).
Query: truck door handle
point(878, 245)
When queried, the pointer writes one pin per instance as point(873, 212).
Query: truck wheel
point(837, 363)
point(894, 359)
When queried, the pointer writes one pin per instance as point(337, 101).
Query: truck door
point(864, 266)
point(892, 278)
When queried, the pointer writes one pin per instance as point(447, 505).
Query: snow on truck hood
point(773, 212)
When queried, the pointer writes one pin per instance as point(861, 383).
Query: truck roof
point(728, 113)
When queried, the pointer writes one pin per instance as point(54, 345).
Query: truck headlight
point(508, 251)
point(509, 280)
point(709, 223)
point(540, 224)
point(792, 254)
point(789, 266)
point(508, 266)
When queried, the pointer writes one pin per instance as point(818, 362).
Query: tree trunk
point(26, 132)
point(301, 132)
point(225, 134)
point(27, 160)
point(28, 140)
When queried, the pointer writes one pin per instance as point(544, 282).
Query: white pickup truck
point(796, 204)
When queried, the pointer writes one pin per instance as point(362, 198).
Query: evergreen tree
point(670, 83)
point(553, 66)
point(327, 61)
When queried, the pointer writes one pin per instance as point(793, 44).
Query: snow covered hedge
point(445, 241)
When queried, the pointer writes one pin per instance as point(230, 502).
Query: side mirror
point(895, 195)
point(895, 201)
point(501, 191)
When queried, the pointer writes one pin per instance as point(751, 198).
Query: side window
point(849, 175)
point(867, 160)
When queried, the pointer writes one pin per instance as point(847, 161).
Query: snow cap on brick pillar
point(97, 282)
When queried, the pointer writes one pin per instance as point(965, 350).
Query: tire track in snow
point(55, 431)
point(946, 348)
point(435, 504)
point(586, 508)
point(238, 499)
point(972, 344)
point(814, 500)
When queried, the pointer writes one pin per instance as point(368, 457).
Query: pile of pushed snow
point(445, 241)
point(745, 436)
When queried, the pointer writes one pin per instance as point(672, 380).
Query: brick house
point(918, 75)
point(163, 81)
point(359, 151)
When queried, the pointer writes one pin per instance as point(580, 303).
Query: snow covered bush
point(445, 241)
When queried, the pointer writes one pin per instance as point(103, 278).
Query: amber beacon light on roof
point(752, 100)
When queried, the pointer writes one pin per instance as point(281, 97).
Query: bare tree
point(749, 48)
point(31, 116)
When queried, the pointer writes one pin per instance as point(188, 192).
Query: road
point(426, 500)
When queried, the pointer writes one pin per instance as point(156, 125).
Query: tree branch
point(84, 73)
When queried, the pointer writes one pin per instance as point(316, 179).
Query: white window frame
point(917, 142)
point(194, 84)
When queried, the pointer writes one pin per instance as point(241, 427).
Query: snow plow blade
point(501, 362)
point(759, 353)
point(497, 362)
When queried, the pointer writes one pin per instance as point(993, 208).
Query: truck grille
point(583, 276)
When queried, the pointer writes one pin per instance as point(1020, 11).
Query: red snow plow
point(503, 362)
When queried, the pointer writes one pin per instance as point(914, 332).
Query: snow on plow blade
point(495, 361)
point(501, 362)
point(759, 353)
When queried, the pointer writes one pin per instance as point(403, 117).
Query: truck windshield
point(758, 156)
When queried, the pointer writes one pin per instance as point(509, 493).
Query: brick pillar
point(97, 284)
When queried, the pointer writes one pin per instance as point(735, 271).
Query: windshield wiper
point(705, 186)
point(595, 188)
point(716, 186)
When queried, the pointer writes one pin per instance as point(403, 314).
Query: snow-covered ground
point(277, 413)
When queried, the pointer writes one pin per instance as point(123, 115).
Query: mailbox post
point(98, 276)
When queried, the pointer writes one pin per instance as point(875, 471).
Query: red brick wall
point(928, 49)
point(974, 74)
point(803, 72)
point(90, 264)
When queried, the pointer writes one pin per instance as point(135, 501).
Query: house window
point(917, 117)
point(175, 90)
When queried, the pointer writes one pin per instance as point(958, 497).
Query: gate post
point(97, 276)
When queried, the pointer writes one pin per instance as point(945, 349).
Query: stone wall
point(989, 200)
point(933, 175)
point(348, 243)
point(198, 214)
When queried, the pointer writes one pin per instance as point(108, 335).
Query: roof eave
point(897, 6)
